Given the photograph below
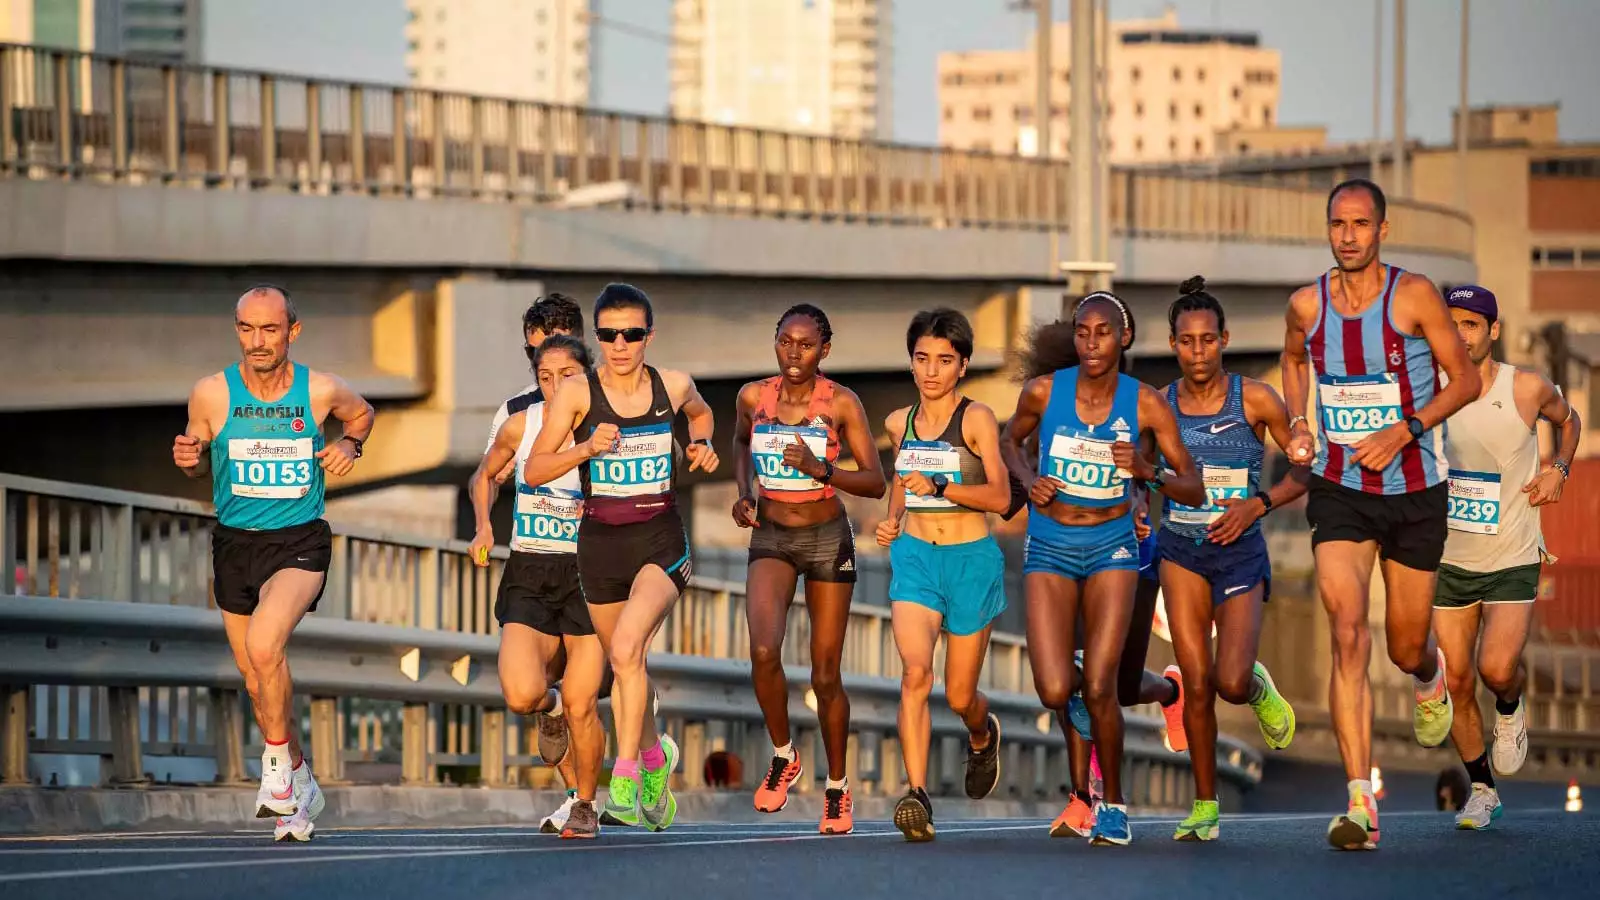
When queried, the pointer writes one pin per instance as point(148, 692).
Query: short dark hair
point(1379, 202)
point(944, 323)
point(816, 315)
point(1193, 298)
point(617, 295)
point(561, 313)
point(573, 346)
point(288, 301)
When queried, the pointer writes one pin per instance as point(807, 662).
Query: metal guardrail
point(66, 114)
point(151, 676)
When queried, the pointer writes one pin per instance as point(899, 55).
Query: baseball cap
point(1473, 298)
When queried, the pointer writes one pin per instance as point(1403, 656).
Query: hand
point(1141, 524)
point(337, 458)
point(1302, 446)
point(482, 543)
point(1043, 490)
point(1129, 459)
point(186, 451)
point(1545, 487)
point(888, 530)
point(701, 457)
point(917, 483)
point(799, 457)
point(504, 475)
point(1238, 514)
point(744, 513)
point(1375, 451)
point(604, 439)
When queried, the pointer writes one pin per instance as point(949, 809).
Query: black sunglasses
point(631, 335)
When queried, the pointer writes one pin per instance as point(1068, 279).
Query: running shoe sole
point(781, 806)
point(1062, 829)
point(290, 836)
point(1103, 840)
point(1198, 833)
point(1288, 735)
point(1350, 835)
point(1462, 825)
point(912, 819)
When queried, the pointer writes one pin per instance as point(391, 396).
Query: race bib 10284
point(1358, 406)
point(767, 442)
point(640, 466)
point(1474, 502)
point(271, 469)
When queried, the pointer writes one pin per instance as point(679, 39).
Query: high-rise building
point(816, 66)
point(1169, 91)
point(160, 31)
point(155, 30)
point(523, 49)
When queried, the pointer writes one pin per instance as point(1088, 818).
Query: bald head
point(267, 324)
point(269, 300)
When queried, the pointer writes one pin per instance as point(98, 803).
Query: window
point(1172, 111)
point(1022, 113)
point(949, 114)
point(439, 45)
point(982, 114)
point(1177, 74)
point(1199, 111)
point(982, 146)
point(1200, 74)
point(1172, 145)
point(1138, 145)
point(1133, 74)
point(1524, 117)
point(1198, 147)
point(1058, 112)
point(1237, 92)
point(1266, 115)
point(539, 47)
point(411, 45)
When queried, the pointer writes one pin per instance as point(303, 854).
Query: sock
point(842, 784)
point(1506, 709)
point(1362, 785)
point(277, 750)
point(626, 768)
point(1478, 770)
point(653, 758)
point(1084, 796)
point(1258, 689)
point(555, 711)
point(572, 792)
point(1425, 688)
point(786, 751)
point(1176, 691)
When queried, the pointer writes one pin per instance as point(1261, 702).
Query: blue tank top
point(265, 473)
point(1078, 454)
point(1228, 454)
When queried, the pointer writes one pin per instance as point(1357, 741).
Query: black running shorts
point(825, 551)
point(541, 591)
point(611, 556)
point(1408, 528)
point(242, 561)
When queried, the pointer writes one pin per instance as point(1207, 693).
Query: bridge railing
point(398, 663)
point(66, 114)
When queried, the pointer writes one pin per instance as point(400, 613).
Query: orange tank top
point(768, 437)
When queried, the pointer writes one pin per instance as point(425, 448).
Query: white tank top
point(546, 516)
point(1492, 454)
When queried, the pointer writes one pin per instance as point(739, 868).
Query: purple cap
point(1476, 299)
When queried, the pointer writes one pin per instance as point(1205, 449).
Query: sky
point(1522, 51)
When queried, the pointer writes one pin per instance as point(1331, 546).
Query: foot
point(275, 798)
point(553, 737)
point(1176, 739)
point(1481, 809)
point(1357, 829)
point(1075, 821)
point(307, 792)
point(1510, 748)
point(1111, 826)
point(656, 803)
point(772, 794)
point(1433, 714)
point(622, 801)
point(556, 821)
point(1273, 713)
point(983, 766)
point(297, 828)
point(1204, 823)
point(837, 811)
point(582, 823)
point(913, 815)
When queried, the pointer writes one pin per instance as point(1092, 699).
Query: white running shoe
point(1510, 749)
point(557, 820)
point(276, 795)
point(1481, 809)
point(308, 794)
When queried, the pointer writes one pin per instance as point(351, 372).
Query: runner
point(540, 607)
point(1493, 553)
point(633, 553)
point(1214, 564)
point(554, 314)
point(800, 528)
point(1081, 550)
point(948, 573)
point(261, 421)
point(1374, 336)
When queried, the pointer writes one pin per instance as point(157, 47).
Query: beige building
point(523, 49)
point(814, 66)
point(1169, 92)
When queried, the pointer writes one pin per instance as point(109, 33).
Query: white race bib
point(640, 466)
point(271, 468)
point(1084, 467)
point(930, 458)
point(767, 442)
point(546, 520)
point(1474, 502)
point(1357, 406)
point(1222, 483)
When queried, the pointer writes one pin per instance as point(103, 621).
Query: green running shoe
point(656, 803)
point(1273, 713)
point(1431, 718)
point(1204, 823)
point(622, 801)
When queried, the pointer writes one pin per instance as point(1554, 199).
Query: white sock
point(1363, 785)
point(555, 711)
point(278, 752)
point(786, 751)
point(840, 785)
point(1428, 687)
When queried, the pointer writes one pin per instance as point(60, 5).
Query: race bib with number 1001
point(1084, 466)
point(767, 442)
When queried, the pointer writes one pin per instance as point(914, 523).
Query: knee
point(1462, 682)
point(916, 682)
point(1498, 674)
point(627, 652)
point(524, 699)
point(1233, 687)
point(960, 698)
point(826, 683)
point(1100, 691)
point(264, 651)
point(579, 709)
point(1352, 640)
point(1054, 692)
point(1408, 654)
point(766, 656)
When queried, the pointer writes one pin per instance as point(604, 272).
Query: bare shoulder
point(326, 384)
point(210, 387)
point(1037, 389)
point(675, 379)
point(1255, 390)
point(1303, 303)
point(846, 402)
point(981, 411)
point(895, 423)
point(749, 395)
point(1529, 383)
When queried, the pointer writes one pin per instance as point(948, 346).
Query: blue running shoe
point(1111, 826)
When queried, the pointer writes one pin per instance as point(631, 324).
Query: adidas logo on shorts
point(1121, 553)
point(848, 565)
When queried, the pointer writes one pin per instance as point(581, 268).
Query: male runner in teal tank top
point(261, 422)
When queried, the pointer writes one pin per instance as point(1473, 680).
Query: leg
point(1238, 644)
point(580, 690)
point(1189, 616)
point(1408, 620)
point(1457, 631)
point(1052, 614)
point(525, 655)
point(770, 585)
point(916, 633)
point(829, 606)
point(963, 662)
point(284, 600)
point(1344, 571)
point(627, 632)
point(1505, 632)
point(1107, 607)
point(1135, 683)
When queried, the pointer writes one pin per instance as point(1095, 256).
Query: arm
point(547, 461)
point(189, 450)
point(981, 431)
point(500, 417)
point(1546, 487)
point(1296, 364)
point(889, 528)
point(1024, 424)
point(482, 486)
point(866, 479)
point(744, 507)
point(355, 417)
point(1262, 406)
point(681, 389)
point(1185, 485)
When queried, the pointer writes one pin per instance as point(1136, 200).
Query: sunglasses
point(631, 335)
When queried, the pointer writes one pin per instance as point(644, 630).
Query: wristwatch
point(1415, 424)
point(1157, 482)
point(1564, 467)
point(354, 442)
point(827, 472)
point(705, 441)
point(940, 482)
point(1266, 502)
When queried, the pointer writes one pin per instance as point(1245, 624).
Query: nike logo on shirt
point(1220, 427)
point(659, 412)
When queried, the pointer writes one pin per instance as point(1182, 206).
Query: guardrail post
point(10, 61)
point(14, 736)
point(414, 769)
point(356, 133)
point(400, 131)
point(8, 556)
point(695, 749)
point(327, 740)
point(227, 736)
point(889, 766)
point(492, 753)
point(119, 118)
point(221, 153)
point(122, 552)
point(267, 130)
point(127, 754)
point(171, 138)
point(63, 95)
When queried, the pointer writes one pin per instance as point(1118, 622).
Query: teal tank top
point(265, 474)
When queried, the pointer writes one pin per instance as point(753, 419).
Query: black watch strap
point(827, 472)
point(1415, 424)
point(355, 442)
point(1266, 502)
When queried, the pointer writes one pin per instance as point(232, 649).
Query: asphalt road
point(1543, 853)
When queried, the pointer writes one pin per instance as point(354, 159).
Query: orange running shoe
point(837, 806)
point(1176, 739)
point(772, 794)
point(1074, 821)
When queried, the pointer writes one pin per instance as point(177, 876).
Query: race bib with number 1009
point(547, 520)
point(271, 469)
point(1355, 407)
